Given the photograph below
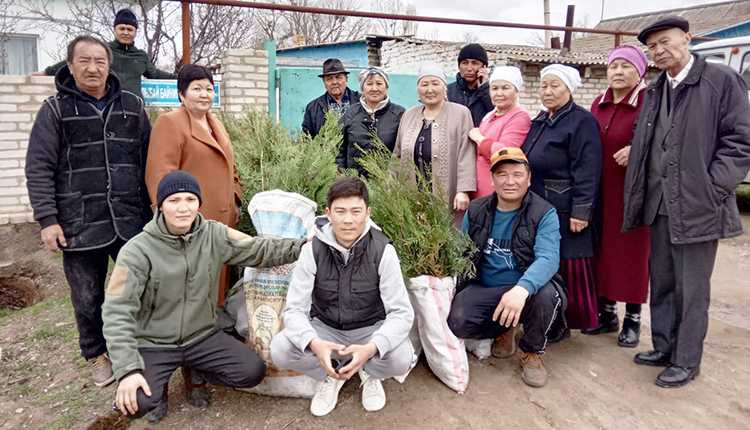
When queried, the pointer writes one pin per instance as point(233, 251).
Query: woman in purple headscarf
point(623, 257)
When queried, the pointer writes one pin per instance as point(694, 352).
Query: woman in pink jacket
point(505, 126)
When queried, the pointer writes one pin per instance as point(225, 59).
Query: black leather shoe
point(196, 387)
point(160, 411)
point(555, 335)
point(677, 376)
point(653, 358)
point(630, 334)
point(608, 323)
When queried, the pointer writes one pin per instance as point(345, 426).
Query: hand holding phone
point(343, 362)
point(482, 75)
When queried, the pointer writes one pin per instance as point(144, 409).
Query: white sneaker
point(373, 395)
point(481, 348)
point(326, 396)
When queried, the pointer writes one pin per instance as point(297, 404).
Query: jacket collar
point(66, 85)
point(324, 233)
point(492, 203)
point(117, 46)
point(157, 227)
point(691, 79)
point(380, 106)
point(696, 70)
point(462, 84)
point(630, 100)
point(200, 134)
point(557, 116)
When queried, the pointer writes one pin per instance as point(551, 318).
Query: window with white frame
point(18, 54)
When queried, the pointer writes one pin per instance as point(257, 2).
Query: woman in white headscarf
point(374, 112)
point(435, 137)
point(565, 154)
point(505, 126)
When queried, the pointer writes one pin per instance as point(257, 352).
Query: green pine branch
point(417, 219)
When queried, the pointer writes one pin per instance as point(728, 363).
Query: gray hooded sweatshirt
point(399, 314)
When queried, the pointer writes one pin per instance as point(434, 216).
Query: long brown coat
point(453, 155)
point(179, 142)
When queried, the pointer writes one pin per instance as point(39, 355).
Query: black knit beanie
point(473, 51)
point(125, 16)
point(177, 181)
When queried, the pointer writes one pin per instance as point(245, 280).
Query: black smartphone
point(343, 363)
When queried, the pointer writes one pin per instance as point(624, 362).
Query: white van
point(734, 52)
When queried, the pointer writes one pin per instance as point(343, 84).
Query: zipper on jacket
point(184, 294)
point(153, 299)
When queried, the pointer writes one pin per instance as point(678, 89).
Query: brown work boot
point(505, 346)
point(534, 372)
point(101, 370)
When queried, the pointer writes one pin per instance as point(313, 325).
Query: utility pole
point(547, 32)
point(602, 19)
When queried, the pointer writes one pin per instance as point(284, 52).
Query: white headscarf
point(569, 75)
point(511, 74)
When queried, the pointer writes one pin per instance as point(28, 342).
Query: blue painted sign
point(163, 92)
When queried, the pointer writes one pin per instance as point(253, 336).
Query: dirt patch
point(28, 273)
point(593, 383)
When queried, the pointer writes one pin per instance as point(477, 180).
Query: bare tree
point(467, 36)
point(433, 33)
point(281, 25)
point(10, 22)
point(392, 27)
point(213, 28)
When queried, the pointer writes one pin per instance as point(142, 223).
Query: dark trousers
point(472, 309)
point(680, 294)
point(86, 272)
point(220, 358)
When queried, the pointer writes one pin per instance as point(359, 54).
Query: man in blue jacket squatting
point(347, 302)
point(518, 236)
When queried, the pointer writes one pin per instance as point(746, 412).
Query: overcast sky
point(529, 12)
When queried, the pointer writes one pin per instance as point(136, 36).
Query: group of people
point(545, 201)
point(622, 218)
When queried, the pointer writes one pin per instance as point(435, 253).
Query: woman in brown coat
point(435, 137)
point(193, 140)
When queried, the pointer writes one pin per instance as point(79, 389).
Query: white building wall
point(50, 44)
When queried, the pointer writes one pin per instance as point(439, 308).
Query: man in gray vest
point(690, 150)
point(347, 310)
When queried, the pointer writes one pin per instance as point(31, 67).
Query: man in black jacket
point(129, 63)
point(518, 236)
point(471, 88)
point(85, 176)
point(337, 96)
point(690, 150)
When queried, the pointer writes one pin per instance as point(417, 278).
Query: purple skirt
point(579, 277)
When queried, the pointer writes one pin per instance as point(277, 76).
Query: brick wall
point(244, 83)
point(244, 79)
point(20, 99)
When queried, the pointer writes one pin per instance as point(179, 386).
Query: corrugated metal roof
point(703, 19)
point(524, 53)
